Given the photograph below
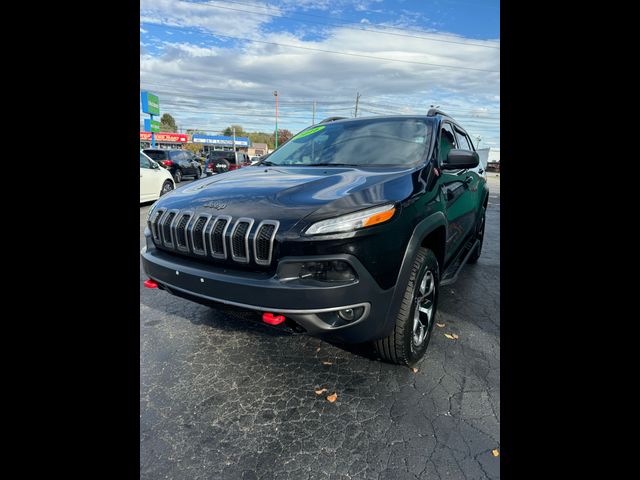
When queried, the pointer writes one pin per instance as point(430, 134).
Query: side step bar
point(448, 279)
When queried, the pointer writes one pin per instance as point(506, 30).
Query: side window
point(447, 141)
point(463, 143)
point(144, 162)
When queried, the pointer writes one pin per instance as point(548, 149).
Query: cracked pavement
point(223, 397)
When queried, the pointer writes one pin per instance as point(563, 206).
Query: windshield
point(370, 142)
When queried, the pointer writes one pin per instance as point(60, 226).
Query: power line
point(355, 54)
point(345, 26)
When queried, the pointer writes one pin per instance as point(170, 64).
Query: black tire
point(473, 258)
point(178, 176)
point(198, 174)
point(167, 186)
point(408, 344)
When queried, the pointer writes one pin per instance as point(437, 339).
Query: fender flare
point(420, 232)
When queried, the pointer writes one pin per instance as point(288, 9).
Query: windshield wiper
point(267, 163)
point(327, 164)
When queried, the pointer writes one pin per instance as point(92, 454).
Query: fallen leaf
point(332, 398)
point(440, 325)
point(450, 337)
point(317, 349)
point(414, 369)
point(495, 452)
point(321, 391)
point(454, 336)
point(327, 363)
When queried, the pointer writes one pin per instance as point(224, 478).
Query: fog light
point(330, 271)
point(347, 314)
point(351, 314)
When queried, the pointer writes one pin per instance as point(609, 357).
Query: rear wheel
point(473, 258)
point(178, 175)
point(408, 342)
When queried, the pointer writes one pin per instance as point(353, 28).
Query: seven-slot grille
point(219, 237)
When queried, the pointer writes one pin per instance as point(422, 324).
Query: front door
point(146, 179)
point(458, 198)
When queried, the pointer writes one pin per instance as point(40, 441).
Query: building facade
point(220, 142)
point(164, 140)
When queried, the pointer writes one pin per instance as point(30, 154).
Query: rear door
point(459, 201)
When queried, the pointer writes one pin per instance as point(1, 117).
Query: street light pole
point(276, 95)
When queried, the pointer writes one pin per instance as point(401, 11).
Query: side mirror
point(459, 159)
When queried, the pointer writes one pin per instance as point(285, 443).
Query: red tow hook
point(272, 319)
point(150, 283)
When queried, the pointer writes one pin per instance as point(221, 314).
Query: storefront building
point(164, 140)
point(220, 142)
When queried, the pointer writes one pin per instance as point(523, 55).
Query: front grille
point(218, 244)
point(239, 240)
point(203, 234)
point(197, 237)
point(153, 224)
point(263, 242)
point(165, 226)
point(180, 232)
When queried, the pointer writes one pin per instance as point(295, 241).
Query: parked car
point(155, 181)
point(179, 162)
point(221, 161)
point(351, 247)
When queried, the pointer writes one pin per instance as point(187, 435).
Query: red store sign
point(165, 137)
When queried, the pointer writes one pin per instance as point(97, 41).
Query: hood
point(289, 194)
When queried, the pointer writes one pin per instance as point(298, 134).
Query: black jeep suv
point(180, 163)
point(346, 231)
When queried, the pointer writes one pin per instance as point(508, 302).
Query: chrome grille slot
point(179, 231)
point(217, 236)
point(240, 240)
point(198, 244)
point(165, 228)
point(153, 224)
point(263, 241)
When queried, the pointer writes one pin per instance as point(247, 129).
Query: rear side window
point(175, 155)
point(447, 141)
point(463, 142)
point(156, 154)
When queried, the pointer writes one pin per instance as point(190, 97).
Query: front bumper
point(313, 308)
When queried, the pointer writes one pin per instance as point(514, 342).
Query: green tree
point(168, 124)
point(239, 131)
point(192, 131)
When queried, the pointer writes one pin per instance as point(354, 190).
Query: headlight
point(353, 221)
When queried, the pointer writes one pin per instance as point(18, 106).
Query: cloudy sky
point(217, 63)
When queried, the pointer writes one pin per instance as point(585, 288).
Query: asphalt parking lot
point(222, 397)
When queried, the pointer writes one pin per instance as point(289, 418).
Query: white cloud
point(208, 77)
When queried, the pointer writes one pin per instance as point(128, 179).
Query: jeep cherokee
point(347, 231)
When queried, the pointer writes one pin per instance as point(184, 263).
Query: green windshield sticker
point(308, 132)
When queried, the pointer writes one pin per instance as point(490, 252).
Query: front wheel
point(408, 342)
point(166, 187)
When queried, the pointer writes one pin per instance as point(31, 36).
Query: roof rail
point(332, 119)
point(434, 111)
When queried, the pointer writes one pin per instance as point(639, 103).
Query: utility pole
point(234, 145)
point(313, 122)
point(276, 95)
point(357, 100)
